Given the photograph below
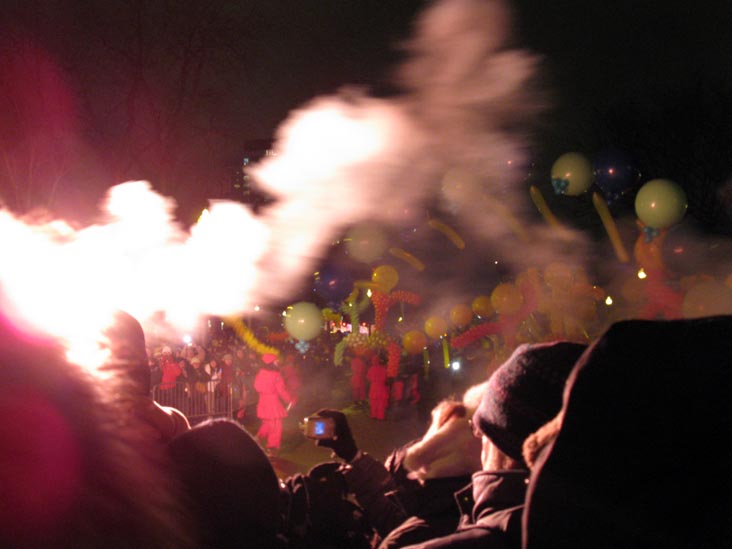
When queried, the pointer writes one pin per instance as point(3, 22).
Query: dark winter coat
point(434, 513)
point(492, 507)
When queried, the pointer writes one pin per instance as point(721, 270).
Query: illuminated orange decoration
point(661, 299)
point(507, 324)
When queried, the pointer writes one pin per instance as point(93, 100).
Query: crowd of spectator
point(621, 443)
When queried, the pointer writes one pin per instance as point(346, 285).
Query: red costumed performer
point(358, 378)
point(270, 386)
point(378, 390)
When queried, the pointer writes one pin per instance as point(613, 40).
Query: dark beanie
point(232, 488)
point(525, 392)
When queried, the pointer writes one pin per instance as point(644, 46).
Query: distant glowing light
point(257, 308)
point(642, 274)
point(187, 339)
point(455, 365)
point(608, 300)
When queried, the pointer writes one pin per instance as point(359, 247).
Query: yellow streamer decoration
point(406, 256)
point(246, 335)
point(542, 206)
point(448, 231)
point(612, 230)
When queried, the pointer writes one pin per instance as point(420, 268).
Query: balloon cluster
point(613, 172)
point(659, 203)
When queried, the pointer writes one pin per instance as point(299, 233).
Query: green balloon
point(660, 203)
point(303, 321)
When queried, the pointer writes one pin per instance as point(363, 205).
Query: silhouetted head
point(71, 474)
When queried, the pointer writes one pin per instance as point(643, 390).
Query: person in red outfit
point(168, 393)
point(358, 377)
point(170, 368)
point(270, 385)
point(378, 390)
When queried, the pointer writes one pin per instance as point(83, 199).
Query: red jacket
point(272, 392)
point(171, 372)
point(358, 371)
point(377, 378)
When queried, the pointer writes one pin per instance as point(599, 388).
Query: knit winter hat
point(525, 392)
point(232, 487)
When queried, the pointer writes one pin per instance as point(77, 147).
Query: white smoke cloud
point(453, 141)
point(465, 109)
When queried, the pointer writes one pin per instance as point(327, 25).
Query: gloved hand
point(342, 443)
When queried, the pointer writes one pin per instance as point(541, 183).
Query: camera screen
point(320, 428)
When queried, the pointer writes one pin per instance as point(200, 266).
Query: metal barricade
point(197, 401)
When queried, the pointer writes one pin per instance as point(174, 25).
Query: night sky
point(95, 93)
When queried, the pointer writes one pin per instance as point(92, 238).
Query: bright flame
point(67, 282)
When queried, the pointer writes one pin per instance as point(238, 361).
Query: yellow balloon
point(482, 306)
point(571, 174)
point(414, 342)
point(461, 315)
point(435, 327)
point(660, 203)
point(506, 298)
point(303, 321)
point(386, 277)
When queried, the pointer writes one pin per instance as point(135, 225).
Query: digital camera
point(318, 427)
